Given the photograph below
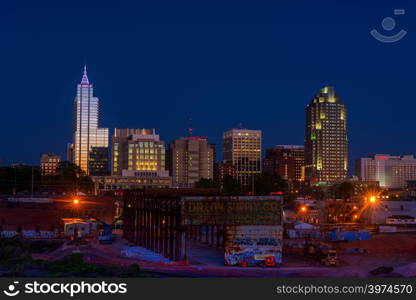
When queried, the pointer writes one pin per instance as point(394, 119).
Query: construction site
point(198, 233)
point(249, 230)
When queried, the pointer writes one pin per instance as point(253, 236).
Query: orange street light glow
point(76, 201)
point(303, 208)
point(372, 199)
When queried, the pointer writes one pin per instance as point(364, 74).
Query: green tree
point(205, 183)
point(230, 186)
point(72, 178)
point(68, 170)
point(338, 211)
point(343, 190)
point(318, 193)
point(346, 190)
point(268, 183)
point(19, 179)
point(85, 184)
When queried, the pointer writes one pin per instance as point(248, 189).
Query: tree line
point(23, 179)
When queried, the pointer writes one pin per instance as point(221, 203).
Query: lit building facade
point(242, 148)
point(191, 159)
point(49, 163)
point(389, 171)
point(137, 150)
point(326, 141)
point(287, 161)
point(98, 161)
point(86, 131)
point(222, 170)
point(132, 179)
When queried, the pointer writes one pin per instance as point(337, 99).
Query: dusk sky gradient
point(154, 64)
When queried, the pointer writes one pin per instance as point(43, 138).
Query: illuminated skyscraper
point(86, 133)
point(326, 141)
point(242, 148)
point(191, 159)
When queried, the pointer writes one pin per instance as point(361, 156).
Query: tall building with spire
point(326, 140)
point(88, 137)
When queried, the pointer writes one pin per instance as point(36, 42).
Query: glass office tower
point(86, 133)
point(242, 148)
point(326, 140)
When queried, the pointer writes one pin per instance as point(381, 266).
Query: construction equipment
point(331, 258)
point(321, 253)
point(107, 236)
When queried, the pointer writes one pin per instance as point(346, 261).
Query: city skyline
point(85, 84)
point(266, 140)
point(220, 76)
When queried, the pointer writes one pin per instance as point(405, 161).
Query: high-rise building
point(389, 171)
point(98, 161)
point(70, 152)
point(191, 159)
point(49, 163)
point(287, 161)
point(242, 148)
point(86, 131)
point(222, 170)
point(137, 150)
point(326, 141)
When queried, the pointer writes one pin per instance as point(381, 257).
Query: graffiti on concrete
point(253, 257)
point(243, 241)
point(257, 245)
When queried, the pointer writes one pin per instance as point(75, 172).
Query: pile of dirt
point(383, 244)
point(408, 270)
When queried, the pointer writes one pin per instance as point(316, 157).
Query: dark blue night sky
point(154, 64)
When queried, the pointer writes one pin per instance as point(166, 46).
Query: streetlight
point(76, 201)
point(303, 210)
point(372, 199)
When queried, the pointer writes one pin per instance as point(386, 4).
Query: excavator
point(107, 236)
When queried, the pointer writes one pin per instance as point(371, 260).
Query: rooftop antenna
point(240, 125)
point(190, 129)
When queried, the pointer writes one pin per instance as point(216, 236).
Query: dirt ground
point(395, 250)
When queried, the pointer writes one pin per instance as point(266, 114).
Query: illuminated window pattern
point(137, 150)
point(86, 133)
point(49, 164)
point(326, 143)
point(389, 171)
point(192, 159)
point(242, 148)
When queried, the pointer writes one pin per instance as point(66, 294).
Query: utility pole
point(14, 183)
point(32, 181)
point(252, 184)
point(190, 128)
